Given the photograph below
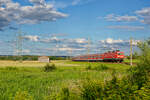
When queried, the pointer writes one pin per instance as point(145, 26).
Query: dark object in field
point(48, 67)
point(89, 67)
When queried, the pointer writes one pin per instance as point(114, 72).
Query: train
point(110, 56)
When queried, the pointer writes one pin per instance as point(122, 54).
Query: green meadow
point(30, 78)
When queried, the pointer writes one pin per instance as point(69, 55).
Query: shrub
point(101, 67)
point(48, 67)
point(91, 90)
point(138, 76)
point(89, 67)
point(11, 68)
point(22, 95)
point(65, 94)
point(144, 92)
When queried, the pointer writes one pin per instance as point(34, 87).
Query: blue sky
point(62, 27)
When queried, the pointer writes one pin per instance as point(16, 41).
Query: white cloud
point(118, 42)
point(111, 41)
point(110, 17)
point(144, 14)
point(75, 2)
point(80, 2)
point(30, 14)
point(70, 49)
point(26, 51)
point(78, 40)
point(38, 2)
point(31, 38)
point(55, 39)
point(125, 18)
point(128, 28)
point(59, 4)
point(69, 3)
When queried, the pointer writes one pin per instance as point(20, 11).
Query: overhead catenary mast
point(131, 51)
point(88, 49)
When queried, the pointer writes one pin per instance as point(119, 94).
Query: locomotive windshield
point(120, 54)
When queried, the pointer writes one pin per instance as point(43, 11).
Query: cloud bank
point(144, 14)
point(127, 28)
point(126, 18)
point(38, 11)
point(79, 45)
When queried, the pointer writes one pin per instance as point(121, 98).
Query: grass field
point(29, 76)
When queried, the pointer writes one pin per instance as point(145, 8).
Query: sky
point(71, 27)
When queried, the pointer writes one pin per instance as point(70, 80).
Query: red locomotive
point(110, 56)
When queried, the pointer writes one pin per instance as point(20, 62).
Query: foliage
point(64, 94)
point(49, 67)
point(22, 95)
point(16, 58)
point(135, 86)
point(29, 58)
point(91, 90)
point(11, 68)
point(101, 67)
point(57, 58)
point(89, 67)
point(135, 55)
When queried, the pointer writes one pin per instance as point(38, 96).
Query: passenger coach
point(110, 56)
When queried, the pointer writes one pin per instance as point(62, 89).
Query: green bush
point(48, 67)
point(144, 92)
point(65, 94)
point(101, 67)
point(22, 95)
point(11, 68)
point(91, 90)
point(89, 67)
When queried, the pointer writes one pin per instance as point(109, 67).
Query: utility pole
point(131, 51)
point(70, 54)
point(14, 48)
point(19, 43)
point(88, 49)
point(88, 52)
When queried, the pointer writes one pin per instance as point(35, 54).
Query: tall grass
point(38, 84)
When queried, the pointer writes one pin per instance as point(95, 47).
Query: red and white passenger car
point(110, 56)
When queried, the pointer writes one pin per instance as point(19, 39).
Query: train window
point(120, 54)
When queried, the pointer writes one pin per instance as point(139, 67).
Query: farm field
point(29, 77)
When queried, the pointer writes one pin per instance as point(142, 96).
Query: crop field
point(30, 78)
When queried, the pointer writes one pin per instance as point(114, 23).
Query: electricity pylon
point(19, 44)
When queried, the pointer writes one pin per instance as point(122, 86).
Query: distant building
point(44, 59)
